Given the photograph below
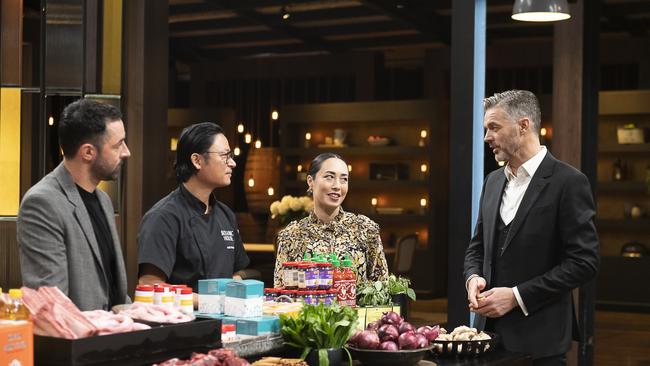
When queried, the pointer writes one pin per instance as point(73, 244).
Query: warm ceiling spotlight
point(423, 134)
point(542, 131)
point(284, 11)
point(270, 191)
point(258, 144)
point(251, 182)
point(349, 168)
point(248, 138)
point(240, 128)
point(237, 151)
point(275, 115)
point(50, 121)
point(540, 10)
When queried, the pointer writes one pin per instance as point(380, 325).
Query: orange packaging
point(16, 343)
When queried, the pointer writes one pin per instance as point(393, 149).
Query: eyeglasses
point(224, 156)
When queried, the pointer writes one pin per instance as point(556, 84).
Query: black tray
point(372, 357)
point(142, 347)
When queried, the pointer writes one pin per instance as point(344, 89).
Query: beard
point(103, 171)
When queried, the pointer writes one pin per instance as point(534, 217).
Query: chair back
point(404, 253)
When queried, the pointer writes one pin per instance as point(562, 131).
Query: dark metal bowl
point(373, 357)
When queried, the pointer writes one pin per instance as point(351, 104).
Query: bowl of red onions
point(392, 341)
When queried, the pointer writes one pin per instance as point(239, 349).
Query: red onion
point(353, 340)
point(388, 346)
point(388, 332)
point(391, 317)
point(373, 325)
point(430, 333)
point(407, 340)
point(422, 340)
point(406, 327)
point(368, 339)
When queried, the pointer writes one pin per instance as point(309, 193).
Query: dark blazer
point(551, 248)
point(58, 246)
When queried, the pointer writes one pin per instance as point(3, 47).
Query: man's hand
point(474, 288)
point(495, 302)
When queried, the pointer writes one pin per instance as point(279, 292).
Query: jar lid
point(227, 328)
point(303, 293)
point(320, 292)
point(144, 288)
point(186, 290)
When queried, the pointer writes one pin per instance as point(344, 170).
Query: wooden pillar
point(144, 86)
point(575, 125)
point(11, 42)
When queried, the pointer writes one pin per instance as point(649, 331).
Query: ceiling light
point(540, 10)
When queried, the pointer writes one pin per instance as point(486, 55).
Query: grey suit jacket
point(58, 246)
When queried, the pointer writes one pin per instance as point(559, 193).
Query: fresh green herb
point(379, 293)
point(319, 327)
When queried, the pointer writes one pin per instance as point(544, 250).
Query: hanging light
point(50, 121)
point(248, 138)
point(275, 115)
point(258, 143)
point(251, 182)
point(237, 151)
point(240, 127)
point(349, 168)
point(270, 191)
point(540, 10)
point(423, 134)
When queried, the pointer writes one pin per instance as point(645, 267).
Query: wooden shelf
point(397, 151)
point(624, 148)
point(623, 224)
point(358, 183)
point(622, 187)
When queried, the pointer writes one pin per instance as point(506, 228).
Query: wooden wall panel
point(11, 33)
point(9, 261)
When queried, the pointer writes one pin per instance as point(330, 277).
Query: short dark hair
point(84, 121)
point(517, 104)
point(317, 163)
point(196, 138)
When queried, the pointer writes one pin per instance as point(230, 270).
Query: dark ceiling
point(222, 29)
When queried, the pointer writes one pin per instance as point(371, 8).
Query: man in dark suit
point(535, 238)
point(66, 226)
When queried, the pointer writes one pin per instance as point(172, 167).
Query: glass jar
point(324, 275)
point(289, 275)
point(311, 276)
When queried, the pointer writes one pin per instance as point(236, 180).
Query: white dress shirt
point(514, 193)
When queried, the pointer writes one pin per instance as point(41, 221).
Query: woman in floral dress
point(329, 228)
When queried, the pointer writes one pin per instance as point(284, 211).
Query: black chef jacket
point(186, 244)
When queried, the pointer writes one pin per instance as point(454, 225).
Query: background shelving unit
point(402, 122)
point(618, 275)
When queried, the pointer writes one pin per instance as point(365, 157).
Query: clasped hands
point(493, 303)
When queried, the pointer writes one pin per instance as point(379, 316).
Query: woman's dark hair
point(317, 163)
point(84, 121)
point(197, 139)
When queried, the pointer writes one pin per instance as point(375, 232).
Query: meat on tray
point(55, 315)
point(156, 313)
point(216, 357)
point(110, 323)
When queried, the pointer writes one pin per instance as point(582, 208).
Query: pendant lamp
point(540, 10)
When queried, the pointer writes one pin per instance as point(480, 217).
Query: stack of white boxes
point(212, 294)
point(244, 298)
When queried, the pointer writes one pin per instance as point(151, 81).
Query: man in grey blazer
point(66, 226)
point(534, 240)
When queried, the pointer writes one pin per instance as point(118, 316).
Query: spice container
point(186, 300)
point(144, 294)
point(324, 275)
point(290, 275)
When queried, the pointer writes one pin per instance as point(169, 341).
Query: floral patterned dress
point(348, 233)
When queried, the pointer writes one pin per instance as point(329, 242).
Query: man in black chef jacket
point(189, 235)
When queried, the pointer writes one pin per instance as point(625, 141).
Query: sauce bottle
point(350, 282)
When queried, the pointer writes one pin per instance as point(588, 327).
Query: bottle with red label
point(350, 279)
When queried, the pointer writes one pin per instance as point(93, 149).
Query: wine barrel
point(263, 165)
